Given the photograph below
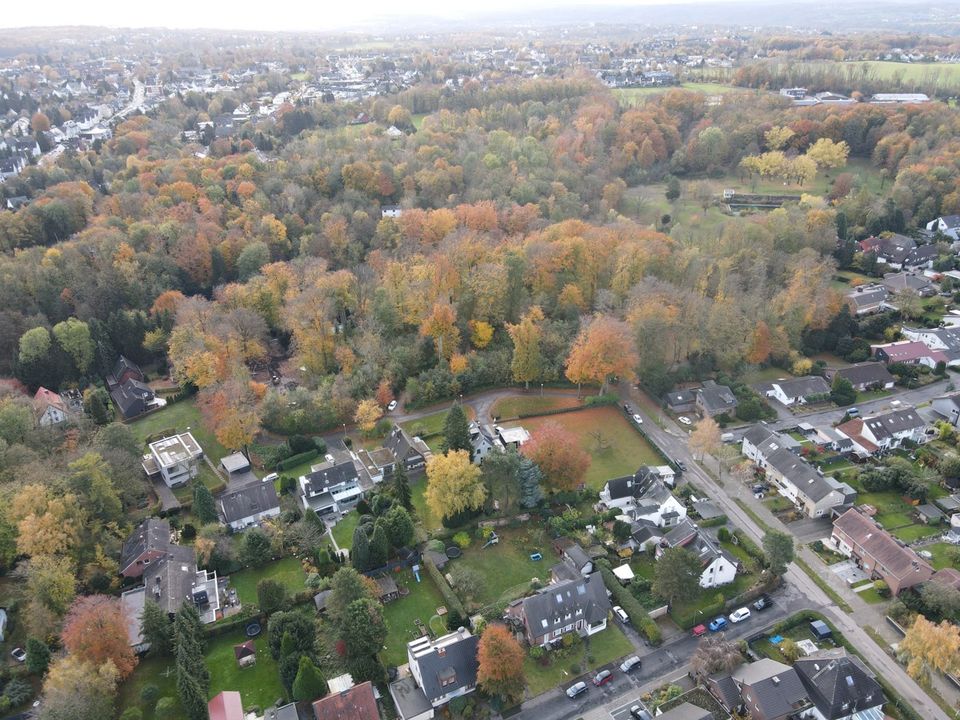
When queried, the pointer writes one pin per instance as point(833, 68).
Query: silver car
point(576, 689)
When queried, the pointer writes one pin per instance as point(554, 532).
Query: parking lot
point(849, 572)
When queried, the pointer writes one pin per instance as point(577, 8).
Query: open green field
point(430, 425)
point(515, 405)
point(631, 96)
point(258, 685)
point(938, 77)
point(181, 416)
point(604, 647)
point(623, 449)
point(506, 568)
point(401, 615)
point(343, 530)
point(286, 571)
point(864, 172)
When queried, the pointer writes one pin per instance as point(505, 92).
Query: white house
point(887, 431)
point(49, 408)
point(760, 441)
point(577, 605)
point(643, 496)
point(946, 339)
point(948, 225)
point(249, 505)
point(483, 441)
point(806, 488)
point(445, 668)
point(797, 391)
point(948, 407)
point(330, 488)
point(176, 459)
point(719, 566)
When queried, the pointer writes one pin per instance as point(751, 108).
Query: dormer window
point(441, 652)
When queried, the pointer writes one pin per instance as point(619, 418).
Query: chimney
point(775, 680)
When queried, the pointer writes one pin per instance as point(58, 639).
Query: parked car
point(853, 412)
point(19, 654)
point(763, 602)
point(576, 689)
point(682, 466)
point(602, 678)
point(739, 615)
point(685, 420)
point(639, 713)
point(271, 477)
point(627, 410)
point(392, 406)
point(718, 624)
point(699, 630)
point(621, 614)
point(637, 419)
point(630, 664)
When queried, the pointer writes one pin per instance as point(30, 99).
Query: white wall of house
point(720, 572)
point(52, 416)
point(671, 504)
point(255, 519)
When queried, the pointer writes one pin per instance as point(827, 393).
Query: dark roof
point(170, 580)
point(775, 688)
point(459, 659)
point(244, 649)
point(545, 611)
point(320, 600)
point(153, 534)
point(887, 424)
point(357, 703)
point(387, 585)
point(716, 398)
point(249, 500)
point(123, 365)
point(409, 698)
point(866, 373)
point(686, 711)
point(284, 712)
point(725, 690)
point(803, 386)
point(838, 683)
point(131, 397)
point(868, 295)
point(577, 555)
point(328, 475)
point(675, 398)
point(400, 444)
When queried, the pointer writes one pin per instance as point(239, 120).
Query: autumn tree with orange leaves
point(441, 325)
point(603, 350)
point(95, 631)
point(558, 454)
point(500, 659)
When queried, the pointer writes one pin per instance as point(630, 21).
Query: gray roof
point(170, 579)
point(839, 684)
point(545, 611)
point(329, 475)
point(801, 473)
point(887, 424)
point(645, 484)
point(235, 462)
point(776, 688)
point(686, 711)
point(930, 511)
point(866, 373)
point(409, 698)
point(152, 534)
point(577, 555)
point(803, 386)
point(869, 296)
point(716, 398)
point(680, 397)
point(903, 281)
point(459, 660)
point(249, 500)
point(402, 446)
point(285, 712)
point(320, 600)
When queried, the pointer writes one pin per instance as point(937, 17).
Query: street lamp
point(541, 389)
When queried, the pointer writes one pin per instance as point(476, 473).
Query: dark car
point(602, 678)
point(682, 466)
point(763, 602)
point(627, 410)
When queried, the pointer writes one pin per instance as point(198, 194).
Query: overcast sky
point(305, 15)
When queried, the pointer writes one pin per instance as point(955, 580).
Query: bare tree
point(715, 654)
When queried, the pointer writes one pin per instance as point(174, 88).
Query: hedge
point(750, 547)
point(449, 596)
point(233, 624)
point(713, 522)
point(638, 616)
point(298, 459)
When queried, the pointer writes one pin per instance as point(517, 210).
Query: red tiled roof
point(45, 397)
point(853, 429)
point(226, 706)
point(357, 703)
point(948, 576)
point(871, 539)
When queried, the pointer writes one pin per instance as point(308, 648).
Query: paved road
point(673, 441)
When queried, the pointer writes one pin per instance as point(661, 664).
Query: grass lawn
point(604, 648)
point(510, 407)
point(418, 495)
point(507, 565)
point(401, 615)
point(180, 416)
point(431, 425)
point(631, 96)
point(642, 564)
point(886, 503)
point(943, 554)
point(343, 530)
point(287, 571)
point(759, 375)
point(871, 596)
point(915, 532)
point(894, 520)
point(624, 448)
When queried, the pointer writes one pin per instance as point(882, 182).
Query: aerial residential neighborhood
point(556, 361)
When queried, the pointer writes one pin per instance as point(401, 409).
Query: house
point(514, 437)
point(945, 339)
point(147, 543)
point(713, 399)
point(867, 299)
point(330, 488)
point(134, 398)
point(760, 441)
point(865, 376)
point(409, 700)
point(798, 481)
point(574, 556)
point(123, 370)
point(441, 669)
point(686, 711)
point(48, 408)
point(235, 463)
point(483, 441)
point(390, 211)
point(883, 432)
point(770, 690)
point(796, 391)
point(948, 225)
point(680, 401)
point(840, 686)
point(719, 566)
point(877, 552)
point(176, 459)
point(947, 407)
point(947, 576)
point(912, 282)
point(908, 351)
point(579, 605)
point(225, 705)
point(248, 505)
point(388, 590)
point(375, 464)
point(356, 703)
point(412, 452)
point(643, 496)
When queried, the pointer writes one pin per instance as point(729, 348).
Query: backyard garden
point(575, 656)
point(406, 617)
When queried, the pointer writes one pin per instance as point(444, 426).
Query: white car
point(739, 615)
point(271, 477)
point(638, 420)
point(685, 420)
point(19, 654)
point(621, 614)
point(630, 664)
point(392, 406)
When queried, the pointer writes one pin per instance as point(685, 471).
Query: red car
point(699, 630)
point(602, 678)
